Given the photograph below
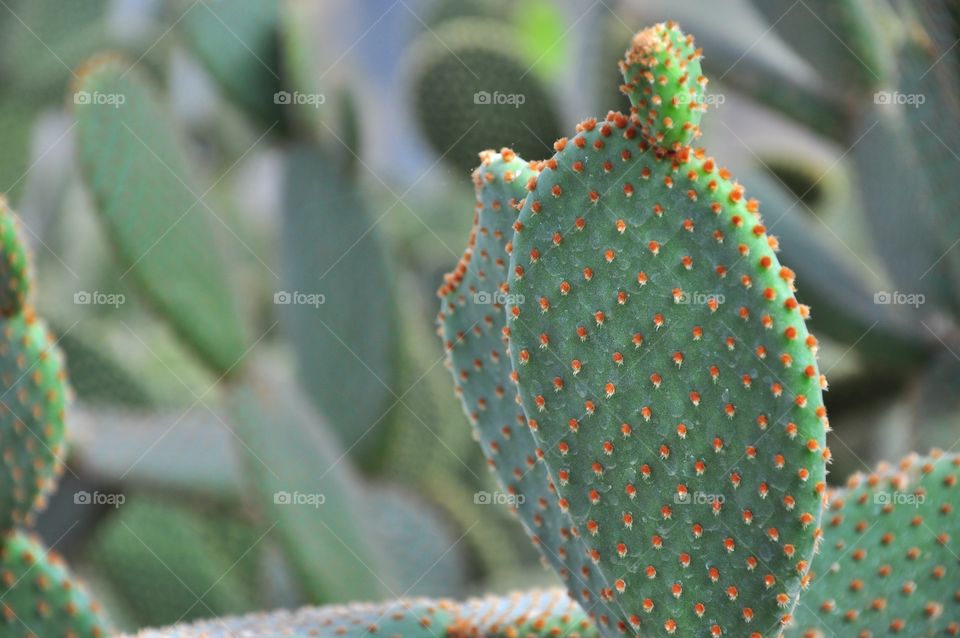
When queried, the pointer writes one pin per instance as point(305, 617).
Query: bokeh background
point(324, 150)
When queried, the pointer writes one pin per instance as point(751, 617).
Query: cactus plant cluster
point(637, 367)
point(38, 595)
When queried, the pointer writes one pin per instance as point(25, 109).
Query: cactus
point(533, 614)
point(459, 74)
point(160, 224)
point(658, 349)
point(888, 563)
point(38, 596)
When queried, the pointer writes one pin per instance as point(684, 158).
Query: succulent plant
point(536, 614)
point(667, 383)
point(38, 596)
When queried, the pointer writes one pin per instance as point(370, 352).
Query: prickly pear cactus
point(889, 560)
point(472, 325)
point(38, 596)
point(13, 264)
point(533, 614)
point(666, 376)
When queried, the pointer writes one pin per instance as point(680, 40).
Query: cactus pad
point(472, 326)
point(31, 416)
point(14, 284)
point(889, 563)
point(663, 365)
point(534, 614)
point(403, 619)
point(39, 597)
point(472, 90)
point(665, 84)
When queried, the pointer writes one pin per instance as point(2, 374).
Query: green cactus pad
point(888, 564)
point(14, 282)
point(402, 619)
point(140, 181)
point(467, 85)
point(665, 84)
point(31, 417)
point(162, 562)
point(539, 612)
point(532, 614)
point(39, 597)
point(472, 323)
point(669, 379)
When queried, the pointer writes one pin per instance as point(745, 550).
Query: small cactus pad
point(402, 619)
point(546, 613)
point(32, 407)
point(14, 283)
point(471, 324)
point(888, 565)
point(39, 597)
point(668, 377)
point(472, 90)
point(540, 612)
point(665, 84)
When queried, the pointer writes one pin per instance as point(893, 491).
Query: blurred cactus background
point(239, 212)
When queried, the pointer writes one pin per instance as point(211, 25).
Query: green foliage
point(168, 565)
point(346, 343)
point(98, 379)
point(471, 91)
point(39, 597)
point(839, 38)
point(236, 40)
point(888, 561)
point(140, 180)
point(301, 480)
